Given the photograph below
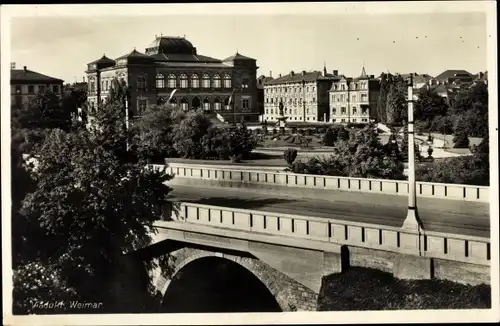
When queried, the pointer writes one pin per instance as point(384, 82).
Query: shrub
point(461, 140)
point(290, 155)
point(330, 137)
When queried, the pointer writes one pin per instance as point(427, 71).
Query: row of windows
point(289, 89)
point(354, 110)
point(290, 101)
point(285, 111)
point(343, 98)
point(31, 90)
point(184, 82)
point(294, 118)
point(207, 105)
point(353, 86)
point(353, 120)
point(206, 81)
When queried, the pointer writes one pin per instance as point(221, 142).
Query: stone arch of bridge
point(271, 286)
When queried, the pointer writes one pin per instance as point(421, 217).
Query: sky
point(422, 42)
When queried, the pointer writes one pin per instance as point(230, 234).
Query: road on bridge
point(450, 216)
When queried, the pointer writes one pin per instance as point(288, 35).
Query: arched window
point(217, 104)
point(295, 101)
point(226, 104)
point(184, 81)
point(91, 85)
point(205, 81)
point(196, 103)
point(172, 81)
point(141, 82)
point(216, 81)
point(227, 81)
point(195, 81)
point(160, 81)
point(206, 104)
point(290, 101)
point(184, 104)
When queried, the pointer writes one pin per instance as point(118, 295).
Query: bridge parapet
point(452, 247)
point(273, 177)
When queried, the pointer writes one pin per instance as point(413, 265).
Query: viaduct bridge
point(291, 252)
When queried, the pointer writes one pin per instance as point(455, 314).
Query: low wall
point(454, 247)
point(271, 177)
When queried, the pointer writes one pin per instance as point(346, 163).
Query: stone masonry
point(289, 294)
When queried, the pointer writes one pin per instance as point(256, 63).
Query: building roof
point(451, 73)
point(29, 76)
point(134, 54)
point(170, 44)
point(103, 60)
point(237, 56)
point(293, 77)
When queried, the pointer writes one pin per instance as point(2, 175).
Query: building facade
point(172, 63)
point(304, 96)
point(354, 100)
point(26, 84)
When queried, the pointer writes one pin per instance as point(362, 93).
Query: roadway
point(449, 216)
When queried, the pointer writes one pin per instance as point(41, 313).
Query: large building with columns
point(304, 96)
point(171, 63)
point(354, 100)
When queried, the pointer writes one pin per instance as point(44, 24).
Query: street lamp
point(412, 221)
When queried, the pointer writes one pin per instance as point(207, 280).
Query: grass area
point(369, 289)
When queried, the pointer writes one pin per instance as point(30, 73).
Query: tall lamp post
point(412, 221)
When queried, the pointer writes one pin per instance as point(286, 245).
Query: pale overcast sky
point(61, 47)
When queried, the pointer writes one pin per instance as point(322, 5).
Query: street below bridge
point(439, 215)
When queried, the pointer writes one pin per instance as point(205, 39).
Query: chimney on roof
point(335, 72)
point(292, 73)
point(303, 72)
point(24, 68)
point(12, 65)
point(270, 73)
point(84, 79)
point(280, 75)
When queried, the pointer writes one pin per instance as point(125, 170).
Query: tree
point(91, 203)
point(362, 155)
point(154, 132)
point(385, 81)
point(461, 139)
point(189, 132)
point(44, 111)
point(74, 97)
point(342, 134)
point(396, 101)
point(471, 104)
point(429, 105)
point(330, 136)
point(290, 155)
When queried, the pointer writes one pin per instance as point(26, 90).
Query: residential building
point(25, 84)
point(303, 96)
point(354, 100)
point(261, 80)
point(173, 63)
point(454, 77)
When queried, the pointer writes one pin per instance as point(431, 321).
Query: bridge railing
point(463, 248)
point(272, 177)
